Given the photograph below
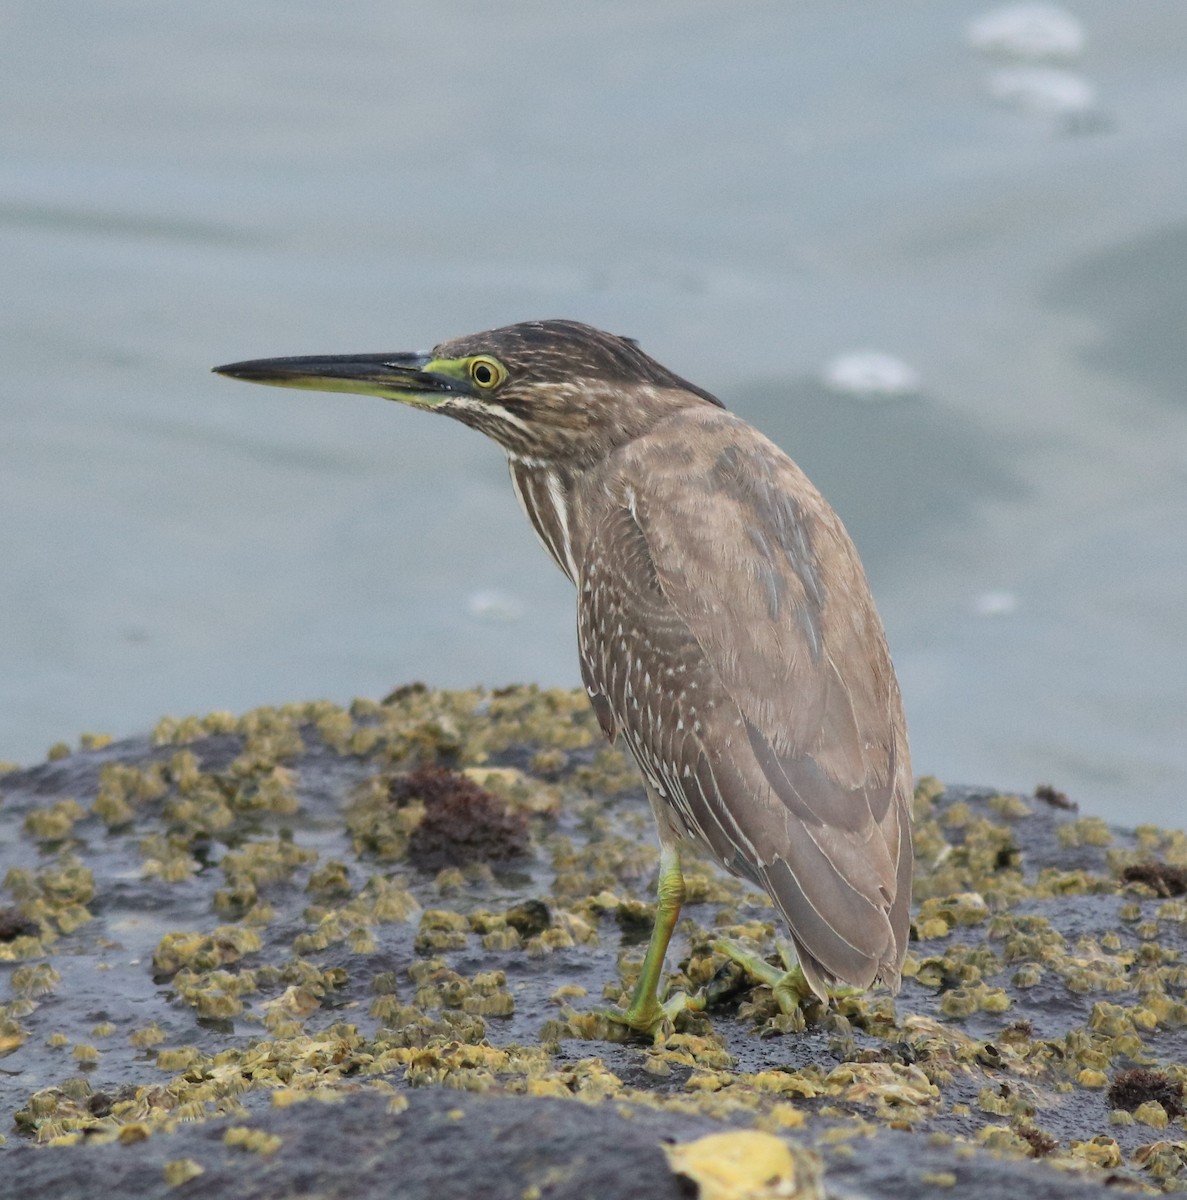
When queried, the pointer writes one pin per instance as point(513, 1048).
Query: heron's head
point(554, 390)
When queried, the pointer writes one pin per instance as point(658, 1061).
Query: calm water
point(749, 190)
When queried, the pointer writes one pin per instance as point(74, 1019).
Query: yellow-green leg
point(789, 987)
point(646, 1012)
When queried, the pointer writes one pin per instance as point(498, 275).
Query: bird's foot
point(653, 1017)
point(789, 987)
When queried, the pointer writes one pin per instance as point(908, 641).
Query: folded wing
point(728, 631)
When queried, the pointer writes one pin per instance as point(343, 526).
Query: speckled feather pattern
point(727, 633)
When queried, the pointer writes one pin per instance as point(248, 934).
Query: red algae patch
point(462, 823)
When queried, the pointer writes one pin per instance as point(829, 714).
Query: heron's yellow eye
point(487, 373)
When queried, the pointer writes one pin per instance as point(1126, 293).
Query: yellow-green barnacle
point(112, 807)
point(267, 862)
point(483, 921)
point(68, 884)
point(151, 1035)
point(611, 773)
point(36, 979)
point(167, 856)
point(528, 715)
point(889, 1086)
point(55, 823)
point(959, 1002)
point(201, 810)
point(390, 1010)
point(928, 789)
point(185, 772)
point(386, 900)
point(1112, 1020)
point(29, 945)
point(1027, 976)
point(1151, 1113)
point(1008, 1099)
point(959, 816)
point(1168, 1012)
point(257, 1141)
point(932, 972)
point(330, 928)
point(1053, 882)
point(132, 1132)
point(238, 900)
point(179, 1058)
point(423, 970)
point(364, 741)
point(966, 908)
point(1009, 806)
point(215, 994)
point(1087, 831)
point(362, 941)
point(181, 1170)
point(330, 880)
point(335, 727)
point(502, 940)
point(548, 942)
point(450, 881)
point(1004, 1140)
point(172, 731)
point(496, 1004)
point(271, 789)
point(1029, 938)
point(363, 708)
point(203, 952)
point(441, 930)
point(377, 827)
point(70, 917)
point(1163, 1160)
point(22, 883)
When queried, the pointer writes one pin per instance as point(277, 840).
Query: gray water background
point(749, 190)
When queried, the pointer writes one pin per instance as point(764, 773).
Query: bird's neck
point(548, 495)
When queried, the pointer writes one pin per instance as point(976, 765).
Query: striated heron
point(725, 627)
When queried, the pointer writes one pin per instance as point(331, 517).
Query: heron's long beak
point(416, 379)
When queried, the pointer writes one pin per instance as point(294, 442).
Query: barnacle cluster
point(440, 889)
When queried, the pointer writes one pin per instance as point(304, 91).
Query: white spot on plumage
point(561, 510)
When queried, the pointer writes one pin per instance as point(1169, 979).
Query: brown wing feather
point(734, 607)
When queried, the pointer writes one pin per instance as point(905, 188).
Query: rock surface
point(406, 913)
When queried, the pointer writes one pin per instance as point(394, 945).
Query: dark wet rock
point(446, 1146)
point(217, 923)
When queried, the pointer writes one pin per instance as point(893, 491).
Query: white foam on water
point(871, 375)
point(491, 604)
point(995, 604)
point(1047, 91)
point(1031, 31)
